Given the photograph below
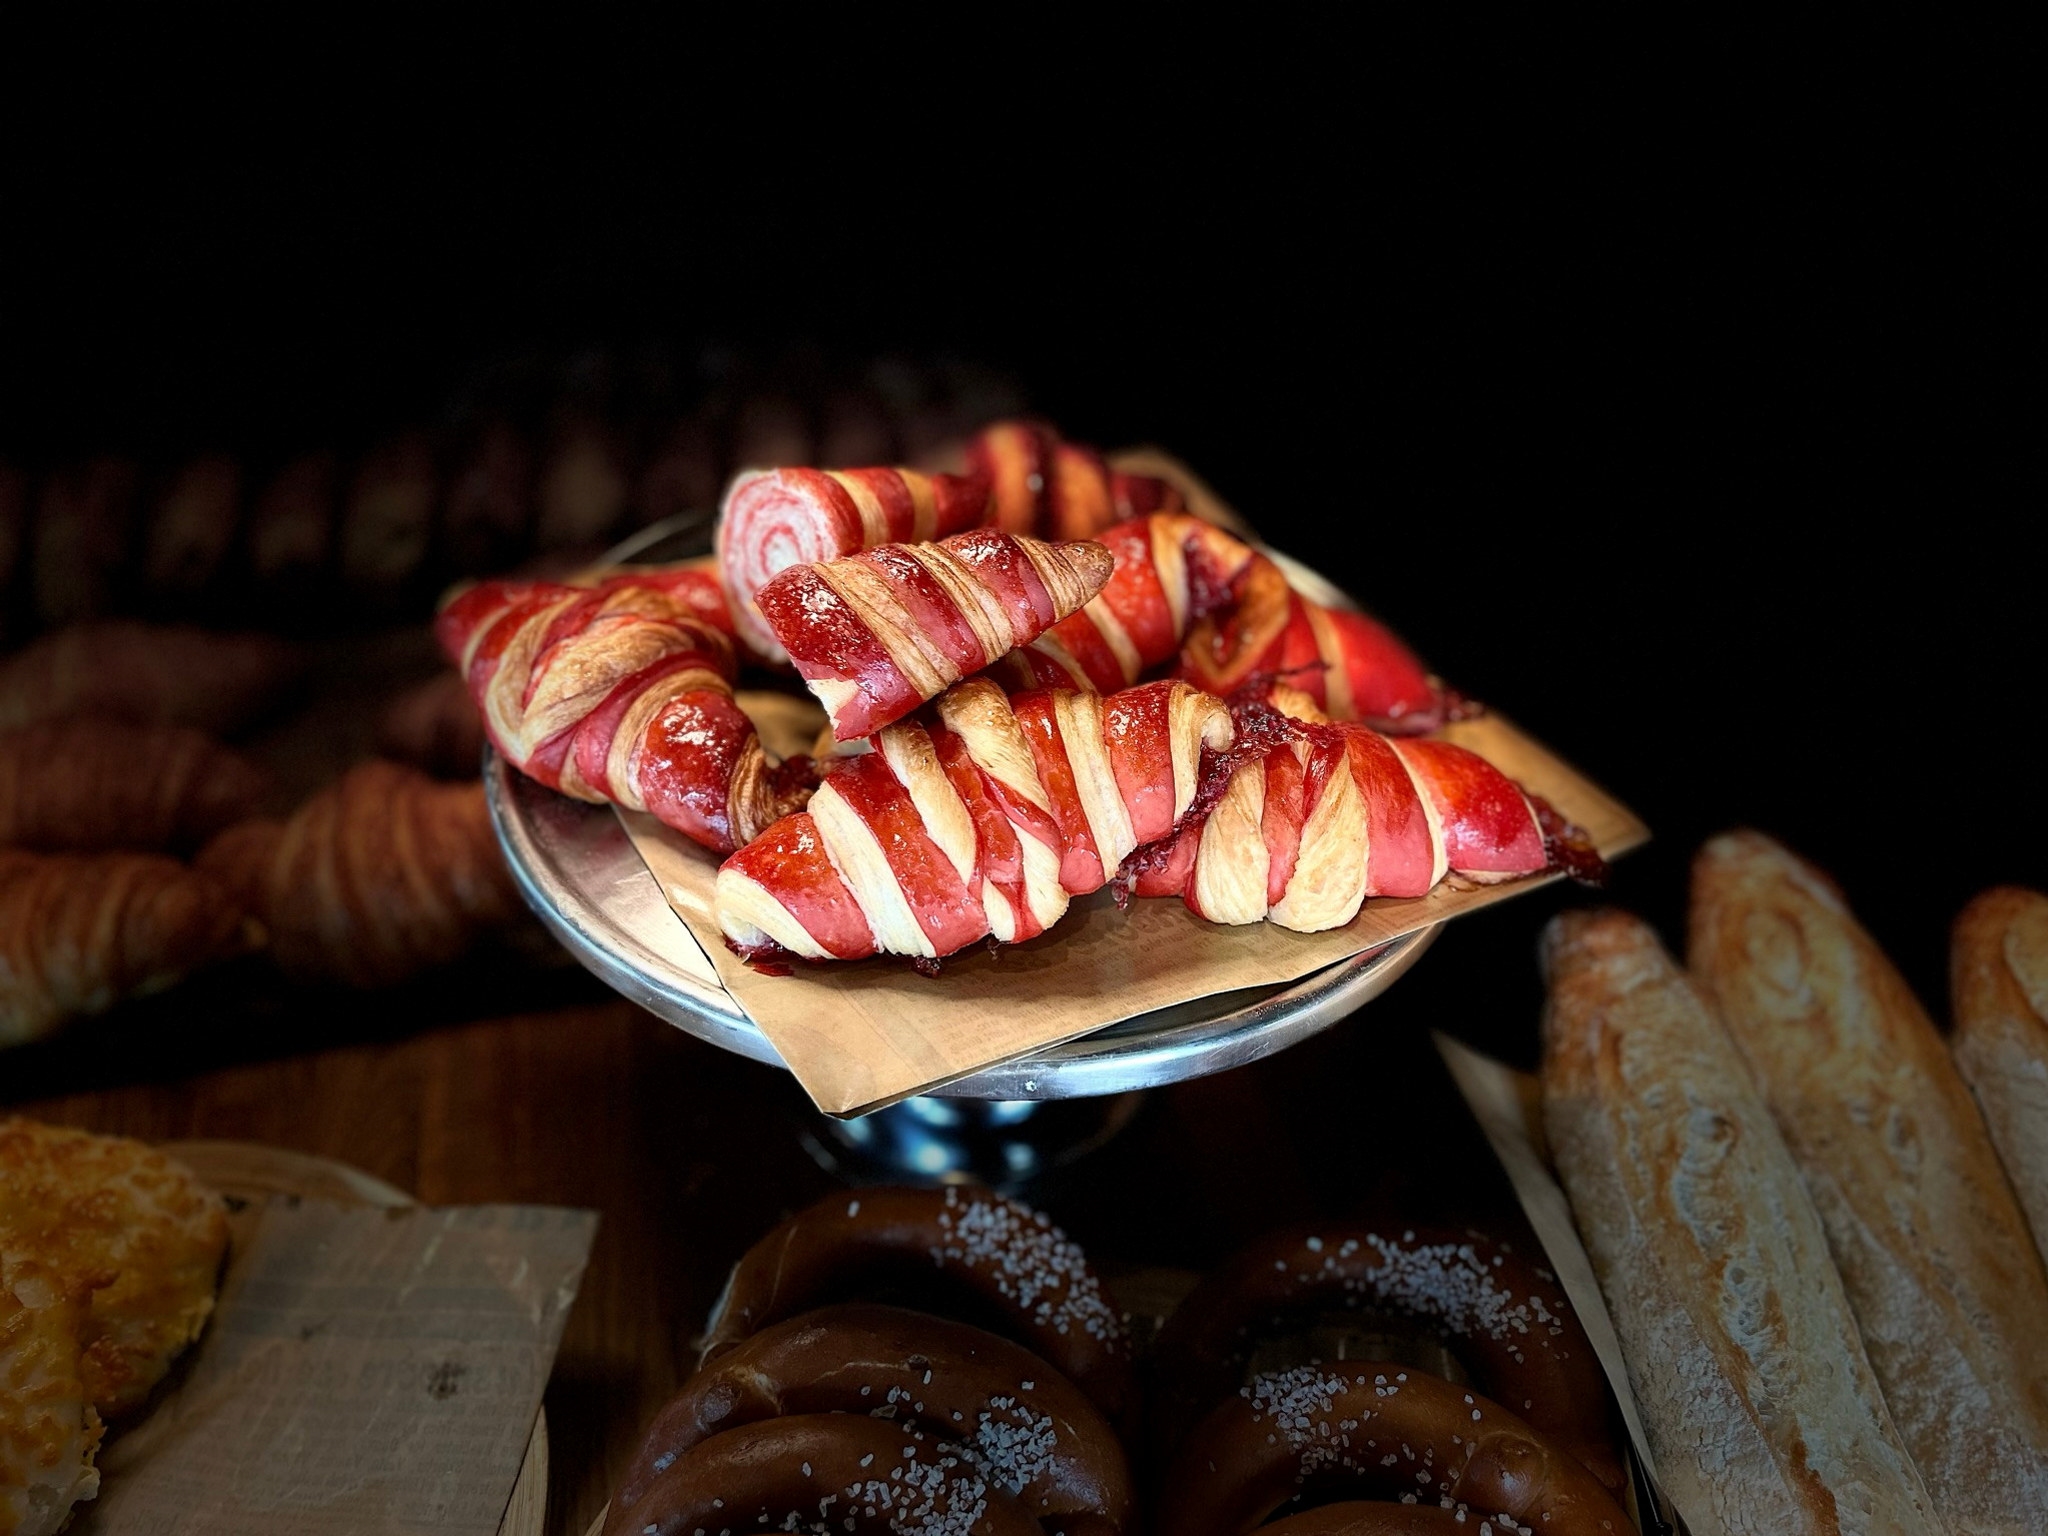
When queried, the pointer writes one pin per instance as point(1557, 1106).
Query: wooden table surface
point(690, 1153)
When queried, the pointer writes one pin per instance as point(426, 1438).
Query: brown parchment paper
point(367, 1372)
point(863, 1035)
point(1507, 1105)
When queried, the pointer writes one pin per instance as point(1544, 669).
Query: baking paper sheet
point(860, 1036)
point(1507, 1105)
point(366, 1372)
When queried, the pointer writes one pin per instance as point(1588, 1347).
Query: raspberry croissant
point(978, 820)
point(775, 519)
point(619, 692)
point(1057, 489)
point(1186, 588)
point(877, 634)
point(166, 673)
point(80, 934)
point(87, 785)
point(381, 875)
point(1302, 832)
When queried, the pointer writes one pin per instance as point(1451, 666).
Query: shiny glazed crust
point(1935, 1256)
point(979, 819)
point(878, 633)
point(619, 692)
point(1761, 1409)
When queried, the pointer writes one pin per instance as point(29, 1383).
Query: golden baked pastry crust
point(128, 1224)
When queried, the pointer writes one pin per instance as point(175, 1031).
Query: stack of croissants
point(134, 851)
point(1042, 676)
point(948, 1361)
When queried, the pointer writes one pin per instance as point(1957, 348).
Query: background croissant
point(81, 933)
point(379, 876)
point(88, 785)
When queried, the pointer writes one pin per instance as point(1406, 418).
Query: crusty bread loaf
point(1998, 973)
point(1934, 1254)
point(1762, 1411)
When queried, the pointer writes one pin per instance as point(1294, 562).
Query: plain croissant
point(379, 876)
point(88, 785)
point(79, 934)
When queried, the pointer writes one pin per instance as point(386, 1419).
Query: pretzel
point(774, 519)
point(824, 1473)
point(1007, 1265)
point(1508, 1321)
point(1012, 1416)
point(1398, 1432)
point(1355, 1519)
point(878, 633)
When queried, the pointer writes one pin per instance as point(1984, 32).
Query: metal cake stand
point(580, 873)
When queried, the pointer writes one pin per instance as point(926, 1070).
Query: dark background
point(1684, 425)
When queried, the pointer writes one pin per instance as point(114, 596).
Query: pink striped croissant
point(880, 632)
point(622, 692)
point(778, 518)
point(1303, 832)
point(979, 818)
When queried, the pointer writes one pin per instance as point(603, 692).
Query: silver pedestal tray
point(579, 872)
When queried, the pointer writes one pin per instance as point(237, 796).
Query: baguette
point(1999, 981)
point(1934, 1254)
point(1762, 1412)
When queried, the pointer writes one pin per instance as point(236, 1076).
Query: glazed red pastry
point(1506, 1319)
point(880, 632)
point(1016, 1419)
point(1301, 834)
point(1006, 1263)
point(1169, 571)
point(827, 1472)
point(1185, 588)
point(1056, 489)
point(979, 818)
point(1354, 667)
point(774, 519)
point(619, 692)
point(1390, 1431)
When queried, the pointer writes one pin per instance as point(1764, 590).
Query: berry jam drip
point(769, 959)
point(1570, 848)
point(1260, 730)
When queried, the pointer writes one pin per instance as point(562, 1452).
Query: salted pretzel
point(1506, 1319)
point(825, 1473)
point(966, 1251)
point(1014, 1418)
point(1353, 1518)
point(879, 632)
point(1046, 485)
point(621, 692)
point(979, 818)
point(774, 519)
point(1398, 1433)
